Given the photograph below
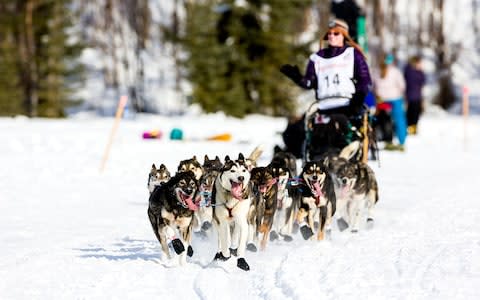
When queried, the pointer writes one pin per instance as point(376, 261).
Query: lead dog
point(318, 193)
point(232, 198)
point(170, 211)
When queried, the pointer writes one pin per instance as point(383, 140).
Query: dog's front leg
point(323, 220)
point(241, 262)
point(355, 210)
point(224, 238)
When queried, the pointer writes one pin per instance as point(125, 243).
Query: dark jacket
point(414, 79)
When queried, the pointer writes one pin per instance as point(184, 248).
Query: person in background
point(389, 86)
point(415, 80)
point(340, 76)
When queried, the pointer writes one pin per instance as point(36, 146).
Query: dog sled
point(328, 134)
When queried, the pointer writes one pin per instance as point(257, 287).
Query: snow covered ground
point(69, 231)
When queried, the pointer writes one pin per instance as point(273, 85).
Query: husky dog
point(288, 199)
point(318, 194)
point(203, 216)
point(232, 200)
point(289, 159)
point(157, 177)
point(191, 164)
point(170, 211)
point(265, 203)
point(356, 189)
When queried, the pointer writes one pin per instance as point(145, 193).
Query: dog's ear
point(205, 159)
point(153, 167)
point(162, 167)
point(217, 158)
point(241, 157)
point(227, 158)
point(194, 157)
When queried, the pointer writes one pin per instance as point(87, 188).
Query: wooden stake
point(465, 110)
point(118, 116)
point(365, 137)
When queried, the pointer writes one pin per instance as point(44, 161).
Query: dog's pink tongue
point(190, 204)
point(237, 190)
point(318, 189)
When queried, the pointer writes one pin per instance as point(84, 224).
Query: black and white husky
point(232, 198)
point(318, 193)
point(157, 177)
point(356, 189)
point(170, 211)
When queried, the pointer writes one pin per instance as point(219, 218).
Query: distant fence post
point(118, 116)
point(465, 111)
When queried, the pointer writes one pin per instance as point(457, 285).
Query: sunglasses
point(335, 33)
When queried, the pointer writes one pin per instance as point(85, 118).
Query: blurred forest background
point(58, 56)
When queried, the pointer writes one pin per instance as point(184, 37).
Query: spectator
point(389, 86)
point(415, 80)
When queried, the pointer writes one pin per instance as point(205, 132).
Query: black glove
point(292, 72)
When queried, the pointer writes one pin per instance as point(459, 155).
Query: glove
point(292, 72)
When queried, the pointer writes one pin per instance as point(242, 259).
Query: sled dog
point(265, 191)
point(203, 216)
point(232, 199)
point(157, 177)
point(170, 211)
point(191, 164)
point(318, 193)
point(288, 199)
point(356, 189)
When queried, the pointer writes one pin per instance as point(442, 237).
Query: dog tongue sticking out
point(237, 190)
point(187, 199)
point(317, 188)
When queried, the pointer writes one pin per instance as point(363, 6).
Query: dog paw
point(242, 264)
point(354, 230)
point(342, 224)
point(219, 256)
point(190, 251)
point(250, 247)
point(178, 246)
point(306, 232)
point(206, 226)
point(287, 238)
point(273, 236)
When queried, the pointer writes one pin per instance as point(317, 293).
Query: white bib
point(334, 75)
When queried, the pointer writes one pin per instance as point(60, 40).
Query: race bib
point(334, 75)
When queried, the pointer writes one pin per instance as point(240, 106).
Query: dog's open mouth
point(316, 188)
point(186, 200)
point(237, 189)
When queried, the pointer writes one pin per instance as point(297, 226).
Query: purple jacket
point(361, 74)
point(414, 79)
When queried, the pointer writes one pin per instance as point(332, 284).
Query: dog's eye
point(344, 180)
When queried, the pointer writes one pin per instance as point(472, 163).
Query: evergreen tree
point(56, 62)
point(10, 96)
point(37, 57)
point(234, 53)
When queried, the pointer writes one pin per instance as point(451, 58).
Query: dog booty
point(242, 264)
point(306, 232)
point(178, 246)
